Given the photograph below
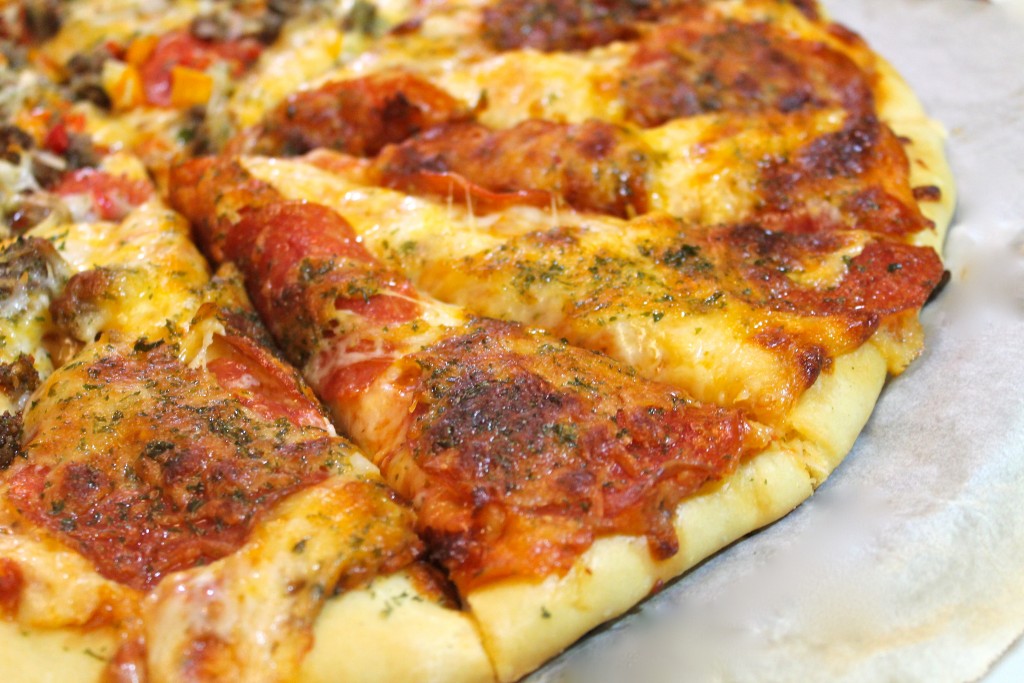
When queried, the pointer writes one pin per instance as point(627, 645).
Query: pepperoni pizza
point(452, 328)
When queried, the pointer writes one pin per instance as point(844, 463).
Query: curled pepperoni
point(303, 261)
point(862, 170)
point(592, 166)
point(358, 116)
point(534, 450)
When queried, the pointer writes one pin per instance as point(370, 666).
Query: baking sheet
point(908, 564)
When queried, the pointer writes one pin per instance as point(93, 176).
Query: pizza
point(445, 328)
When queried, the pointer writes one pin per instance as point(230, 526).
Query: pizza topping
point(301, 260)
point(262, 384)
point(890, 277)
point(183, 51)
point(80, 309)
point(884, 278)
point(147, 466)
point(111, 197)
point(520, 450)
point(85, 77)
point(13, 143)
point(10, 439)
point(358, 116)
point(31, 21)
point(262, 21)
point(28, 265)
point(861, 170)
point(531, 449)
point(20, 378)
point(551, 25)
point(701, 65)
point(592, 166)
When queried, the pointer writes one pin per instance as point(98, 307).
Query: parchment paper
point(908, 564)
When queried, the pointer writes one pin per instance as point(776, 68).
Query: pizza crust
point(386, 632)
point(391, 631)
point(55, 655)
point(526, 623)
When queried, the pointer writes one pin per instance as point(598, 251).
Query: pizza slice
point(175, 502)
point(555, 486)
point(733, 198)
point(200, 484)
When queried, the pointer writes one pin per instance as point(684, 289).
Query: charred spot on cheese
point(147, 466)
point(593, 166)
point(703, 65)
point(861, 170)
point(927, 193)
point(551, 25)
point(357, 116)
point(10, 439)
point(805, 359)
point(531, 450)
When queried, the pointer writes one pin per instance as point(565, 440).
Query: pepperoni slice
point(593, 166)
point(358, 116)
point(178, 465)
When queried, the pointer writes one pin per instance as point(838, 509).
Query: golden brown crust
point(395, 615)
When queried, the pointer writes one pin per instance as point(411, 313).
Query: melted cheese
point(162, 272)
point(460, 259)
point(303, 53)
point(61, 587)
point(251, 613)
point(707, 168)
point(91, 24)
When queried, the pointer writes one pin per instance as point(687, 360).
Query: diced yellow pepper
point(123, 85)
point(189, 87)
point(35, 122)
point(140, 50)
